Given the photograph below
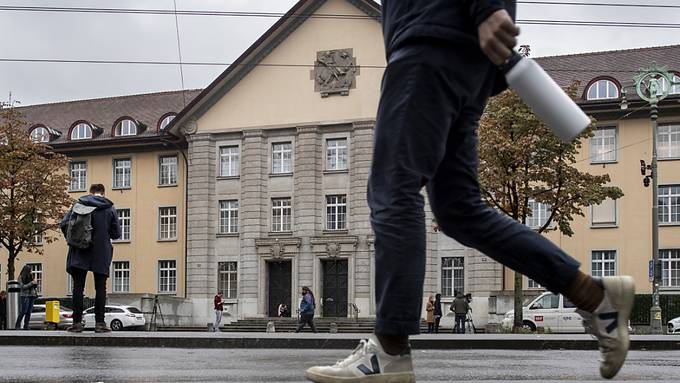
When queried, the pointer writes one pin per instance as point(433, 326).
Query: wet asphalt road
point(113, 364)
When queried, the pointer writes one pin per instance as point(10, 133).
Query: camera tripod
point(155, 313)
point(469, 323)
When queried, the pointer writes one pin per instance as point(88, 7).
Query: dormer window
point(166, 121)
point(126, 127)
point(82, 131)
point(602, 90)
point(674, 89)
point(40, 135)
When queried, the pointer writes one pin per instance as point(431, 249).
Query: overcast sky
point(223, 39)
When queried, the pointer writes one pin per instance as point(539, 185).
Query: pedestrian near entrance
point(442, 66)
point(3, 310)
point(460, 307)
point(430, 314)
point(307, 307)
point(437, 312)
point(283, 310)
point(29, 291)
point(89, 227)
point(219, 309)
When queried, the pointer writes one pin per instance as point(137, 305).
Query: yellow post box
point(52, 312)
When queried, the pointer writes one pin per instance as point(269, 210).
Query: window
point(121, 277)
point(167, 276)
point(281, 212)
point(603, 89)
point(229, 161)
point(603, 263)
point(603, 214)
point(669, 204)
point(539, 214)
point(668, 141)
point(125, 221)
point(453, 276)
point(336, 212)
point(122, 172)
point(531, 284)
point(675, 88)
point(167, 170)
point(603, 145)
point(336, 154)
point(36, 269)
point(550, 301)
point(166, 121)
point(167, 218)
point(227, 279)
point(40, 134)
point(670, 267)
point(78, 172)
point(282, 158)
point(82, 131)
point(228, 217)
point(126, 128)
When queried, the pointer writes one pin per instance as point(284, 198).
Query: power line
point(179, 53)
point(638, 5)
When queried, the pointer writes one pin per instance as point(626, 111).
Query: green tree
point(521, 160)
point(33, 183)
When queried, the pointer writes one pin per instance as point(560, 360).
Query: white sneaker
point(609, 323)
point(368, 363)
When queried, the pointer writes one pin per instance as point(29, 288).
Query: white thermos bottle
point(550, 103)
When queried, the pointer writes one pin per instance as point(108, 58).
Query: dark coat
point(454, 21)
point(105, 227)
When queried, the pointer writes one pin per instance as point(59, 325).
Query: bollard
point(13, 304)
point(334, 328)
point(271, 327)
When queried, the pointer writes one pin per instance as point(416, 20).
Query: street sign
point(651, 271)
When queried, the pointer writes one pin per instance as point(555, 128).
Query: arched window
point(126, 127)
point(166, 121)
point(602, 90)
point(82, 131)
point(674, 89)
point(40, 134)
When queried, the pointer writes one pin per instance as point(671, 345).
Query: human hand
point(497, 36)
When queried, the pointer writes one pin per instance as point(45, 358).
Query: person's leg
point(23, 303)
point(100, 297)
point(28, 311)
point(79, 277)
point(301, 323)
point(311, 324)
point(461, 323)
point(436, 324)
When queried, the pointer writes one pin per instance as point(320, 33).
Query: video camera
point(468, 297)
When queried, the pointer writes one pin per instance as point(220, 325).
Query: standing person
point(430, 314)
point(219, 308)
point(437, 312)
point(307, 306)
point(90, 250)
point(460, 307)
point(442, 59)
point(29, 291)
point(3, 310)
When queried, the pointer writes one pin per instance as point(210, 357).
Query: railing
point(354, 311)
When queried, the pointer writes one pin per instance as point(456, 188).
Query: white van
point(552, 312)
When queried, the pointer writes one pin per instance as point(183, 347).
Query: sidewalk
point(322, 340)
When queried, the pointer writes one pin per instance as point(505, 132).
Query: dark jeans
point(430, 327)
point(460, 324)
point(432, 98)
point(437, 319)
point(79, 277)
point(25, 312)
point(306, 319)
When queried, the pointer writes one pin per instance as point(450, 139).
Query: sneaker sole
point(402, 377)
point(624, 303)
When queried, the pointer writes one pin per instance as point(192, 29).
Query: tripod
point(155, 313)
point(469, 324)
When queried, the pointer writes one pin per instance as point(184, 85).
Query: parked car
point(37, 321)
point(117, 317)
point(674, 325)
point(552, 312)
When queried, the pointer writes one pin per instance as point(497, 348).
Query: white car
point(117, 317)
point(674, 326)
point(552, 312)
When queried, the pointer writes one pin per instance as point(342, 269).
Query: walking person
point(437, 312)
point(442, 66)
point(219, 310)
point(430, 314)
point(89, 227)
point(28, 294)
point(3, 310)
point(460, 307)
point(307, 307)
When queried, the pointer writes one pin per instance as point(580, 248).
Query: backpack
point(79, 231)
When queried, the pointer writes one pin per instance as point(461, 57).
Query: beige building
point(119, 142)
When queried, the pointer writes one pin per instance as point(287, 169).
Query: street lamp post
point(652, 85)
